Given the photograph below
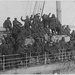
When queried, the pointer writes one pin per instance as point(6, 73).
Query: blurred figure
point(46, 20)
point(7, 24)
point(16, 22)
point(36, 21)
point(73, 35)
point(55, 25)
point(67, 30)
point(27, 22)
point(62, 43)
point(16, 28)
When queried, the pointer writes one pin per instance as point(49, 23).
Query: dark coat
point(7, 24)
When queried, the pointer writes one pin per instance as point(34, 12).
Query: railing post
point(37, 60)
point(30, 57)
point(26, 59)
point(63, 52)
point(62, 58)
point(45, 58)
point(3, 62)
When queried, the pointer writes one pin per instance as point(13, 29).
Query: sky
point(22, 8)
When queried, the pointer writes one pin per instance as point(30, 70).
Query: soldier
point(52, 23)
point(27, 22)
point(58, 27)
point(55, 24)
point(16, 28)
point(36, 21)
point(3, 47)
point(10, 49)
point(7, 24)
point(67, 30)
point(6, 49)
point(46, 20)
point(31, 20)
point(16, 22)
point(62, 43)
point(73, 35)
point(9, 39)
point(62, 30)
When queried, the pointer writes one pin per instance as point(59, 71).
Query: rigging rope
point(39, 7)
point(43, 8)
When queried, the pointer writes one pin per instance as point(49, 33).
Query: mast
point(43, 8)
point(58, 10)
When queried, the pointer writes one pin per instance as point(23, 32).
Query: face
point(15, 18)
point(26, 16)
point(8, 18)
point(53, 15)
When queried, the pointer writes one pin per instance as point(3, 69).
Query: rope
point(43, 8)
point(39, 7)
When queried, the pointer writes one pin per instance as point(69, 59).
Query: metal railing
point(32, 59)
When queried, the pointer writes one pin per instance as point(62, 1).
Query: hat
point(15, 18)
point(53, 15)
point(8, 17)
point(27, 16)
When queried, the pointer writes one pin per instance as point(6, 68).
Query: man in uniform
point(54, 24)
point(63, 43)
point(16, 22)
point(27, 22)
point(7, 24)
point(67, 30)
point(36, 21)
point(73, 35)
point(46, 20)
point(16, 27)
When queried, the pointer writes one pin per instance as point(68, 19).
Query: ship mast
point(43, 8)
point(58, 10)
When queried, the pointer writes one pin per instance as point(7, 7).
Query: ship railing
point(8, 62)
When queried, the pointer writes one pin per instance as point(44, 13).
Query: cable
point(43, 8)
point(39, 7)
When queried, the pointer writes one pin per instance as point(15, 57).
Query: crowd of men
point(35, 22)
point(36, 27)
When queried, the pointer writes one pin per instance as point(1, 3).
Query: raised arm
point(22, 19)
point(49, 14)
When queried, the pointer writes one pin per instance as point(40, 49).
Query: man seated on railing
point(7, 24)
